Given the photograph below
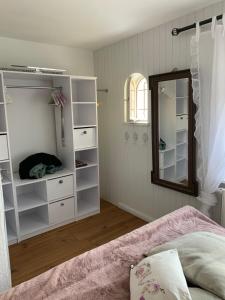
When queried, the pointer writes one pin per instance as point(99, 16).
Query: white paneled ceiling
point(88, 23)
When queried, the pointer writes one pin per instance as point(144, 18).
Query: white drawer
point(59, 188)
point(61, 211)
point(84, 137)
point(3, 147)
point(182, 122)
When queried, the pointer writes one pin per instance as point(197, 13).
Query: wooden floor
point(38, 254)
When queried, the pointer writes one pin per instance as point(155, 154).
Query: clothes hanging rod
point(103, 90)
point(177, 31)
point(32, 87)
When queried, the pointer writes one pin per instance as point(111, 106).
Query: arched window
point(136, 99)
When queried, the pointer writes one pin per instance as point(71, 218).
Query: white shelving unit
point(6, 171)
point(85, 116)
point(33, 206)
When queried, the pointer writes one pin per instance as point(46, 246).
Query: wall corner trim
point(135, 212)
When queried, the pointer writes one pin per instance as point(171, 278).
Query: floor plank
point(39, 254)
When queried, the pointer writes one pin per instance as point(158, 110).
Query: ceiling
point(88, 24)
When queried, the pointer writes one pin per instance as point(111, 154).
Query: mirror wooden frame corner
point(192, 186)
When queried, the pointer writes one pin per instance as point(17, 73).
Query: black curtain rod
point(176, 31)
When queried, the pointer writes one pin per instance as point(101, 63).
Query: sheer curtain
point(5, 274)
point(208, 81)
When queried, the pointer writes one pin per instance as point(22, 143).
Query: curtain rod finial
point(175, 31)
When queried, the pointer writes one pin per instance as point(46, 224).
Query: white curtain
point(5, 274)
point(208, 81)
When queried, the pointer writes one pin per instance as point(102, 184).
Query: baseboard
point(135, 212)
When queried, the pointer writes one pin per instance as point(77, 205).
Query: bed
point(103, 273)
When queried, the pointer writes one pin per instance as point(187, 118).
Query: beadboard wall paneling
point(125, 166)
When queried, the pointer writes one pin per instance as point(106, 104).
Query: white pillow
point(159, 277)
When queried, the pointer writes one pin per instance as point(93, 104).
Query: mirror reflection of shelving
point(181, 130)
point(173, 128)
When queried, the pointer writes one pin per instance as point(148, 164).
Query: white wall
point(76, 61)
point(125, 166)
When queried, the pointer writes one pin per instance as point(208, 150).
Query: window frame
point(134, 79)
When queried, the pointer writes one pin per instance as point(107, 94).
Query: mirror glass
point(173, 130)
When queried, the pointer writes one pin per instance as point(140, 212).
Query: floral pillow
point(159, 277)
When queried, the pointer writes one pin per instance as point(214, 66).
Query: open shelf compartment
point(83, 90)
point(31, 196)
point(8, 197)
point(84, 115)
point(11, 226)
point(2, 119)
point(181, 170)
point(33, 220)
point(89, 157)
point(88, 202)
point(86, 178)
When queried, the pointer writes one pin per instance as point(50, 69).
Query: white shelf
point(11, 235)
point(6, 181)
point(84, 126)
point(60, 173)
point(83, 149)
point(31, 223)
point(4, 161)
point(29, 201)
point(167, 166)
point(85, 208)
point(77, 102)
point(181, 130)
point(181, 178)
point(181, 97)
point(180, 158)
point(181, 143)
point(166, 150)
point(90, 165)
point(8, 205)
point(88, 202)
point(85, 185)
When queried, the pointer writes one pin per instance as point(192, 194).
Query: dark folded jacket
point(39, 158)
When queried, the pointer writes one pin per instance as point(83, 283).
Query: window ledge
point(137, 123)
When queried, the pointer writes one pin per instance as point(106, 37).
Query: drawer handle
point(84, 132)
point(60, 181)
point(61, 204)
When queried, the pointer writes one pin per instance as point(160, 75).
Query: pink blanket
point(103, 273)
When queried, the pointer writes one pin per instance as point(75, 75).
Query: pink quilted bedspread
point(103, 273)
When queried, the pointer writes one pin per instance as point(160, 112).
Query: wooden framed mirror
point(173, 125)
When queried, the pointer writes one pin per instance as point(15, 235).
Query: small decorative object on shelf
point(162, 145)
point(80, 163)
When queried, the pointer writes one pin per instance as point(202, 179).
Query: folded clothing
point(39, 164)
